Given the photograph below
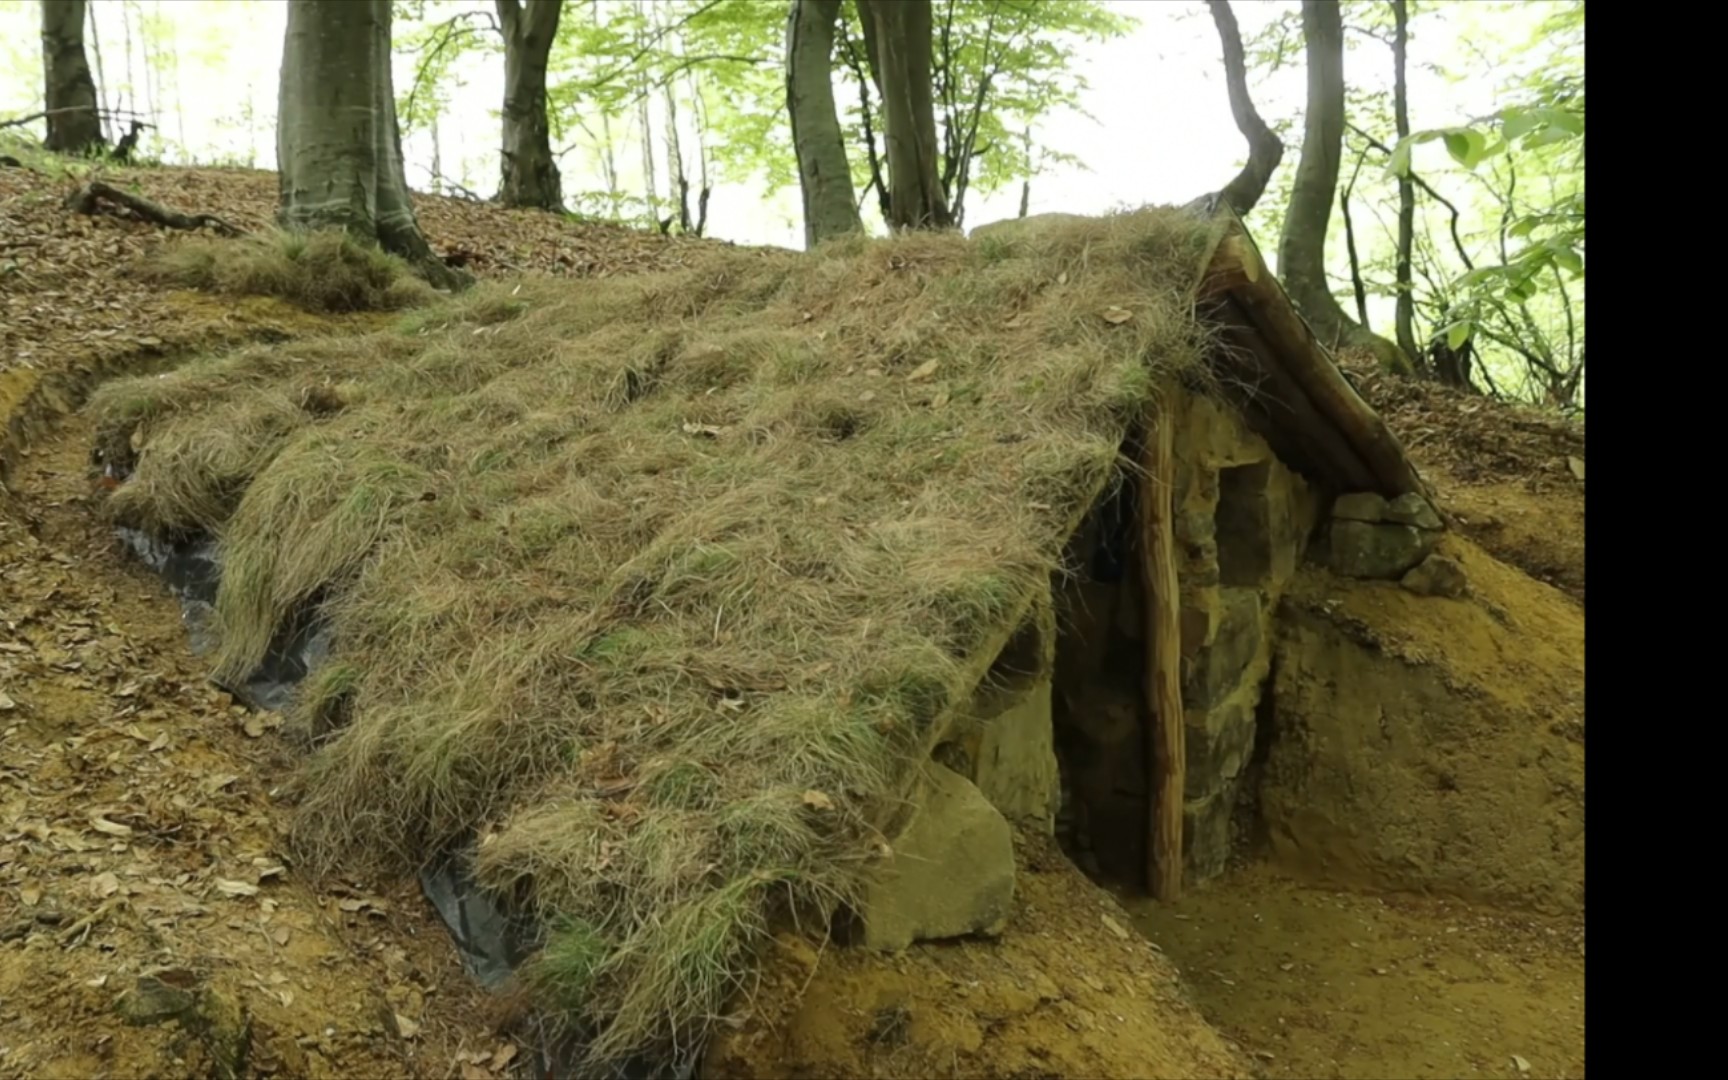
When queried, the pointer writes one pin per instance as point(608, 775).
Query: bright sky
point(1163, 130)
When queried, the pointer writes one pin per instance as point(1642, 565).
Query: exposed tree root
point(89, 199)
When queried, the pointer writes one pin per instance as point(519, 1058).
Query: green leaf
point(1466, 145)
point(1548, 136)
point(1457, 334)
point(1400, 163)
point(1567, 258)
point(1516, 122)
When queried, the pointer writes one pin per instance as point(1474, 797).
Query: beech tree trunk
point(1302, 248)
point(1265, 149)
point(530, 174)
point(1404, 313)
point(824, 175)
point(69, 93)
point(338, 148)
point(897, 36)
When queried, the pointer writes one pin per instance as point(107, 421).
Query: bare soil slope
point(1069, 991)
point(139, 834)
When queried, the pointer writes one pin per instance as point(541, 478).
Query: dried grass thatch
point(325, 271)
point(622, 571)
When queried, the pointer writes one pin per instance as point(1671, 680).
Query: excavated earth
point(150, 925)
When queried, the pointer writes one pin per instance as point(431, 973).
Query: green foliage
point(999, 66)
point(1499, 247)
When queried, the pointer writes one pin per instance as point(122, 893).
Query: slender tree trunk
point(337, 144)
point(1404, 312)
point(530, 174)
point(1265, 149)
point(824, 176)
point(1302, 248)
point(131, 88)
point(101, 76)
point(650, 176)
point(897, 34)
point(69, 94)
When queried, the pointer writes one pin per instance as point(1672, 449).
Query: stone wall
point(1242, 524)
point(1068, 687)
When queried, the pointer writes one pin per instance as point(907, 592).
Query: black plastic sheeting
point(492, 942)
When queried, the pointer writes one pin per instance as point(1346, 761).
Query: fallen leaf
point(1114, 927)
point(923, 371)
point(30, 895)
point(710, 430)
point(1116, 316)
point(405, 1027)
point(1017, 320)
point(235, 888)
point(1576, 464)
point(816, 800)
point(503, 1056)
point(254, 726)
point(105, 884)
point(109, 828)
point(1062, 278)
point(280, 935)
point(6, 703)
point(868, 395)
point(1520, 1064)
point(940, 399)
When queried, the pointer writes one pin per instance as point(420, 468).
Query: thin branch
point(1457, 242)
point(1350, 243)
point(857, 67)
point(649, 43)
point(450, 31)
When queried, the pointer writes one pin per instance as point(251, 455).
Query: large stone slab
point(951, 871)
point(1014, 763)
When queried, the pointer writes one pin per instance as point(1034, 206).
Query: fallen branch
point(20, 121)
point(89, 198)
point(71, 934)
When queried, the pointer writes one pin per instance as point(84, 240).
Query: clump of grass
point(324, 271)
point(664, 585)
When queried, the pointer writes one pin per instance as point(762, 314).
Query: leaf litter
point(131, 837)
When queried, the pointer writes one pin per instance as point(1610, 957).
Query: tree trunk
point(897, 36)
point(101, 76)
point(1265, 149)
point(337, 145)
point(1404, 314)
point(69, 94)
point(824, 176)
point(530, 174)
point(1302, 248)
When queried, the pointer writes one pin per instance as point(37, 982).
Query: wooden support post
point(1166, 749)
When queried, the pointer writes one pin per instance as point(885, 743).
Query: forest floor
point(139, 832)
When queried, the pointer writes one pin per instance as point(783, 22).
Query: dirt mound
point(664, 584)
point(1431, 744)
point(1511, 476)
point(1068, 991)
